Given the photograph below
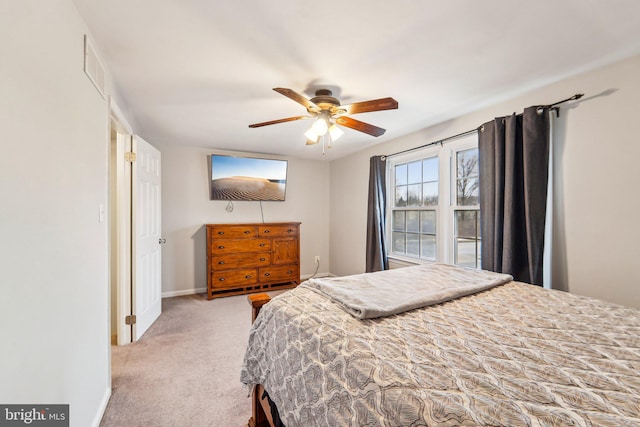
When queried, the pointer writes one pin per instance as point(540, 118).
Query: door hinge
point(130, 156)
point(130, 320)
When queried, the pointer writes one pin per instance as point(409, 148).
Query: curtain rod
point(471, 131)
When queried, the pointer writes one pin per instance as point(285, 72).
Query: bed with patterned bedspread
point(510, 355)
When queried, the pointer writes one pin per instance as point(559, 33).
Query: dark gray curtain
point(376, 259)
point(514, 167)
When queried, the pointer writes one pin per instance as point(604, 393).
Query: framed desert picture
point(247, 178)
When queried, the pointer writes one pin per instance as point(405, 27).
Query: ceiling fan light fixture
point(335, 132)
point(312, 135)
point(320, 126)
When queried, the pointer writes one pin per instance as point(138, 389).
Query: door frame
point(120, 223)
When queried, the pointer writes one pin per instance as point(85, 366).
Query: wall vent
point(92, 66)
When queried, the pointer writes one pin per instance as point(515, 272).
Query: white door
point(147, 241)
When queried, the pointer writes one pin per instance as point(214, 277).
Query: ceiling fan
point(329, 113)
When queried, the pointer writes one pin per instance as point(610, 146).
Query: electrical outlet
point(317, 259)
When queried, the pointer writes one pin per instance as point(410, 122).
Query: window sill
point(399, 261)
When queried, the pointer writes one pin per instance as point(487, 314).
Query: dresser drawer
point(279, 273)
point(240, 245)
point(277, 230)
point(233, 232)
point(239, 260)
point(225, 279)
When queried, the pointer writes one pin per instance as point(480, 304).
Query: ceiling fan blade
point(368, 106)
point(300, 99)
point(360, 126)
point(273, 122)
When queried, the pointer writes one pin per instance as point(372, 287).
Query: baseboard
point(103, 407)
point(184, 292)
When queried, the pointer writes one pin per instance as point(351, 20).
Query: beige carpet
point(185, 371)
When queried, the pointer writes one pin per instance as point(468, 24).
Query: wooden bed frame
point(260, 409)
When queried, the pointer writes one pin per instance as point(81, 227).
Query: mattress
point(513, 355)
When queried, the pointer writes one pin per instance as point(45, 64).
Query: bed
point(500, 353)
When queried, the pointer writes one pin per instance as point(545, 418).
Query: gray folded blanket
point(390, 292)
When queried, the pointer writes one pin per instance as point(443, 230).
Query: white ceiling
point(198, 72)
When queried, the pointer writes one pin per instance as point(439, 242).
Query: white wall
point(53, 249)
point(186, 208)
point(597, 152)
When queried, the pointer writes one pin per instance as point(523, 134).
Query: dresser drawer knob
point(289, 231)
point(221, 279)
point(221, 262)
point(247, 232)
point(263, 259)
point(248, 276)
point(220, 247)
point(289, 271)
point(262, 245)
point(267, 274)
point(221, 232)
point(267, 231)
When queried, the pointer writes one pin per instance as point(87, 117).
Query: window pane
point(466, 252)
point(398, 243)
point(413, 221)
point(401, 195)
point(428, 248)
point(467, 163)
point(415, 172)
point(428, 220)
point(414, 192)
point(413, 244)
point(401, 174)
point(430, 169)
point(479, 262)
point(430, 194)
point(397, 224)
point(466, 224)
point(468, 192)
point(467, 177)
point(467, 238)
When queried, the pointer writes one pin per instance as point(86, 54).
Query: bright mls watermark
point(34, 415)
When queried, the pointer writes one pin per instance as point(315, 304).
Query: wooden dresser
point(245, 258)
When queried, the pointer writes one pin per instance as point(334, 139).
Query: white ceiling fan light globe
point(312, 135)
point(320, 126)
point(335, 132)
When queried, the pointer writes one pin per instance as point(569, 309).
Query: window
point(434, 213)
point(466, 209)
point(415, 204)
